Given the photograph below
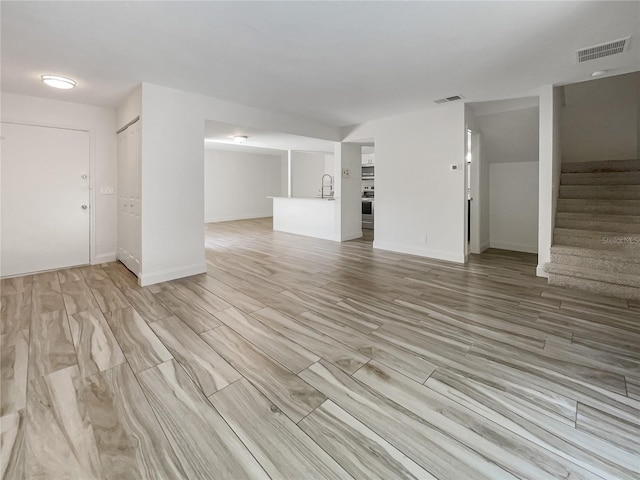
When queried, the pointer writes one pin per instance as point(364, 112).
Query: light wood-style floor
point(299, 358)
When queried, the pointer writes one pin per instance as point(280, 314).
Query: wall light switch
point(346, 173)
point(105, 190)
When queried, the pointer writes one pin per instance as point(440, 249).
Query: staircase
point(596, 240)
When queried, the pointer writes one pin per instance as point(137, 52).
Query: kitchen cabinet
point(368, 159)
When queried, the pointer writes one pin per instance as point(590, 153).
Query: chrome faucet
point(324, 186)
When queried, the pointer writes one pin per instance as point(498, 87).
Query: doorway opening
point(368, 192)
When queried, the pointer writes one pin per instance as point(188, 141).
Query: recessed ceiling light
point(598, 73)
point(58, 82)
point(240, 138)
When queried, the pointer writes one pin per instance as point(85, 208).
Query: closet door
point(129, 197)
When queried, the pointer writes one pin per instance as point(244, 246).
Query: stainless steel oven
point(367, 213)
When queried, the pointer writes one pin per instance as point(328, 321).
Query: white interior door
point(45, 198)
point(129, 197)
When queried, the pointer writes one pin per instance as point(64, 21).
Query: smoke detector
point(603, 50)
point(453, 98)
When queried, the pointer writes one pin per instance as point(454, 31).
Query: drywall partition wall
point(129, 108)
point(237, 184)
point(100, 122)
point(511, 136)
point(420, 201)
point(307, 169)
point(601, 119)
point(172, 185)
point(173, 173)
point(514, 206)
point(549, 167)
point(348, 156)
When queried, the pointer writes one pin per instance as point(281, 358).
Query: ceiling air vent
point(449, 99)
point(603, 50)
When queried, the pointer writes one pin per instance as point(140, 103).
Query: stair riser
point(611, 243)
point(596, 264)
point(607, 208)
point(600, 226)
point(618, 178)
point(601, 167)
point(609, 192)
point(595, 286)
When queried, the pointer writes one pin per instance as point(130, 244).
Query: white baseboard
point(238, 217)
point(104, 258)
point(515, 247)
point(484, 246)
point(147, 279)
point(421, 252)
point(540, 272)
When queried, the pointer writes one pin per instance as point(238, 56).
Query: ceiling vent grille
point(449, 99)
point(603, 50)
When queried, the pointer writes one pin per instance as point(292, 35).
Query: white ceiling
point(338, 63)
point(219, 135)
point(506, 105)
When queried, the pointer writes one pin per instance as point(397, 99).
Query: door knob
point(84, 207)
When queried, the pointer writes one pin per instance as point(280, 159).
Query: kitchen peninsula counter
point(311, 216)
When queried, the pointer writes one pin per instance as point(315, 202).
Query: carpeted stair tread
point(604, 260)
point(598, 222)
point(602, 166)
point(596, 239)
point(603, 192)
point(591, 274)
point(600, 178)
point(612, 207)
point(596, 286)
point(594, 252)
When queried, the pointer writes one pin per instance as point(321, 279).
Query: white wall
point(172, 185)
point(549, 170)
point(511, 136)
point(173, 173)
point(514, 206)
point(130, 108)
point(348, 190)
point(101, 123)
point(417, 194)
point(307, 170)
point(237, 184)
point(600, 119)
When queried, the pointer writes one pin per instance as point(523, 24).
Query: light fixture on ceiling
point(240, 138)
point(598, 73)
point(58, 82)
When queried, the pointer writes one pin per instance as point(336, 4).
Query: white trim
point(104, 258)
point(540, 272)
point(238, 217)
point(146, 279)
point(515, 247)
point(484, 246)
point(421, 252)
